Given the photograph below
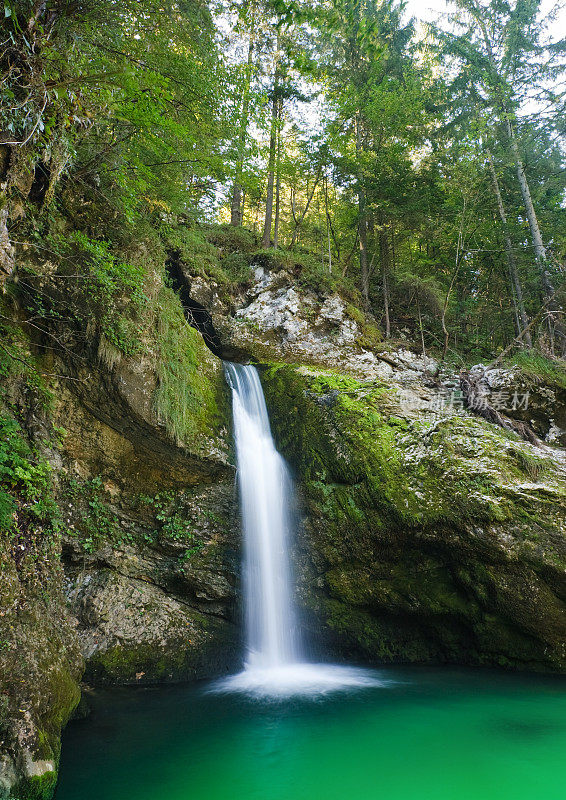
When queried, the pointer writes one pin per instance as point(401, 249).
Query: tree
point(504, 61)
point(249, 12)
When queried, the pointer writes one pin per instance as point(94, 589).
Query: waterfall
point(274, 662)
point(265, 498)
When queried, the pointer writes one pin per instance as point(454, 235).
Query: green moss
point(122, 664)
point(403, 512)
point(531, 465)
point(38, 787)
point(370, 337)
point(191, 397)
point(345, 434)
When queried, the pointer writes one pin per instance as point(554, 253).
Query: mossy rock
point(427, 537)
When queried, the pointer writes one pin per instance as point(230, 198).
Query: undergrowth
point(540, 369)
point(25, 479)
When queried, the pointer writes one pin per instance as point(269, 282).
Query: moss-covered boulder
point(430, 535)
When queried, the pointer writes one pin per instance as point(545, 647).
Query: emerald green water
point(429, 734)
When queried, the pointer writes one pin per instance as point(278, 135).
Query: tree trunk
point(236, 211)
point(266, 239)
point(331, 229)
point(299, 220)
point(278, 178)
point(384, 253)
point(362, 223)
point(556, 324)
point(421, 325)
point(517, 291)
point(277, 205)
point(327, 213)
point(538, 244)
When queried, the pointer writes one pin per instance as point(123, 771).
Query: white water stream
point(275, 664)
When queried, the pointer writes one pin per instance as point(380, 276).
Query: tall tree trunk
point(459, 257)
point(278, 176)
point(266, 239)
point(331, 227)
point(328, 224)
point(556, 323)
point(538, 245)
point(517, 291)
point(421, 325)
point(362, 219)
point(506, 116)
point(385, 268)
point(236, 210)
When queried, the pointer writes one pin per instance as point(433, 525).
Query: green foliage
point(25, 479)
point(94, 521)
point(148, 116)
point(198, 254)
point(540, 369)
point(230, 239)
point(110, 291)
point(218, 252)
point(313, 274)
point(16, 360)
point(174, 523)
point(129, 102)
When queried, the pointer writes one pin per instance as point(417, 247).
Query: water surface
point(424, 735)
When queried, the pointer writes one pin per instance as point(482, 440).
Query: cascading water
point(265, 490)
point(274, 664)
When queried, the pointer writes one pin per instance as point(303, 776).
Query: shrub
point(24, 476)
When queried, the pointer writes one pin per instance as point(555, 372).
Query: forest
point(416, 168)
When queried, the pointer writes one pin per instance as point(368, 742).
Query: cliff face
point(40, 666)
point(150, 544)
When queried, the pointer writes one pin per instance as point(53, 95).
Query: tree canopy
point(419, 169)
